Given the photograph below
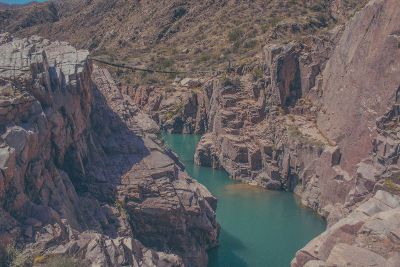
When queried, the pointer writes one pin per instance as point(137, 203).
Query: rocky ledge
point(83, 174)
point(319, 117)
point(323, 122)
point(369, 236)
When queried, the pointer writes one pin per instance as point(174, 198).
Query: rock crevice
point(83, 174)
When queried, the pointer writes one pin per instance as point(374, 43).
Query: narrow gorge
point(258, 227)
point(145, 147)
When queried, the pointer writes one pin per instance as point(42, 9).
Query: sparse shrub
point(164, 63)
point(295, 132)
point(204, 57)
point(258, 73)
point(392, 186)
point(61, 261)
point(235, 35)
point(227, 81)
point(120, 205)
point(6, 91)
point(317, 7)
point(11, 256)
point(179, 13)
point(143, 74)
point(39, 259)
point(250, 44)
point(322, 20)
point(148, 77)
point(176, 109)
point(94, 44)
point(274, 21)
point(119, 73)
point(291, 118)
point(265, 27)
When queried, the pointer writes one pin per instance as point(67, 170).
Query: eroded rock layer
point(319, 117)
point(83, 174)
point(369, 236)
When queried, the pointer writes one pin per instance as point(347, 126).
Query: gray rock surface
point(320, 118)
point(83, 174)
point(365, 129)
point(182, 108)
point(367, 237)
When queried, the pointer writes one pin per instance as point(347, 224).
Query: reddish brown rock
point(362, 238)
point(83, 174)
point(361, 80)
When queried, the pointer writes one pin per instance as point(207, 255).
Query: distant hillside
point(176, 34)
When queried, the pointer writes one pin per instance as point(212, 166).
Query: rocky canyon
point(312, 108)
point(82, 170)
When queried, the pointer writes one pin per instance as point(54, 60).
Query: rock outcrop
point(82, 167)
point(320, 118)
point(369, 236)
point(83, 174)
point(306, 119)
point(262, 124)
point(180, 108)
point(360, 114)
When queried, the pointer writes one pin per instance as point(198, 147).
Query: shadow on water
point(260, 228)
point(227, 256)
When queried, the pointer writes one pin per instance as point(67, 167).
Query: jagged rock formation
point(369, 236)
point(319, 117)
point(82, 172)
point(365, 84)
point(181, 108)
point(263, 129)
point(276, 117)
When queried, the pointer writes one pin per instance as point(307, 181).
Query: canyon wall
point(83, 173)
point(319, 117)
point(179, 108)
point(359, 107)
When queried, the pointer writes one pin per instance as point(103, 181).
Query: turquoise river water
point(259, 228)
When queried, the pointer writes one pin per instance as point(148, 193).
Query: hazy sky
point(19, 1)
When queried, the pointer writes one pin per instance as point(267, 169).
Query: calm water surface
point(259, 228)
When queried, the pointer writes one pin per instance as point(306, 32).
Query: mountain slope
point(188, 34)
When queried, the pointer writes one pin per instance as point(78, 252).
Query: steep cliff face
point(320, 117)
point(328, 133)
point(361, 81)
point(179, 108)
point(360, 113)
point(369, 236)
point(82, 172)
point(81, 166)
point(262, 122)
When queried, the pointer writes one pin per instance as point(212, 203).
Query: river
point(259, 228)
